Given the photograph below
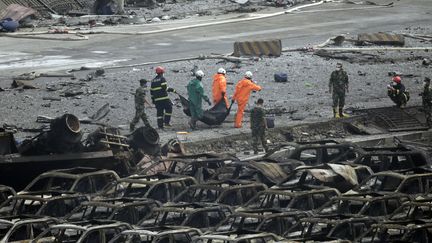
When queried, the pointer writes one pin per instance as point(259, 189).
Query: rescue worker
point(196, 95)
point(159, 94)
point(427, 101)
point(241, 94)
point(140, 102)
point(258, 126)
point(219, 87)
point(397, 92)
point(338, 86)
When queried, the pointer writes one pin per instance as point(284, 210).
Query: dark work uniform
point(427, 103)
point(399, 95)
point(258, 127)
point(159, 94)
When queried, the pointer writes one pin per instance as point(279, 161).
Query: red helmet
point(397, 79)
point(160, 70)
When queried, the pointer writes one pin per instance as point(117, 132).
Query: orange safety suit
point(241, 94)
point(219, 87)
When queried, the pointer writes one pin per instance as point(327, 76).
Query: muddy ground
point(169, 11)
point(303, 98)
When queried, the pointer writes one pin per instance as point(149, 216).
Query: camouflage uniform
point(258, 127)
point(427, 103)
point(338, 84)
point(139, 108)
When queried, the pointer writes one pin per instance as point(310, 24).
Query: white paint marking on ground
point(162, 44)
point(18, 61)
point(100, 52)
point(292, 28)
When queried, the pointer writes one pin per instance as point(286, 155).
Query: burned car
point(200, 166)
point(80, 180)
point(19, 229)
point(229, 192)
point(159, 187)
point(5, 193)
point(339, 176)
point(122, 210)
point(370, 205)
point(158, 235)
point(267, 172)
point(412, 211)
point(315, 152)
point(392, 158)
point(320, 229)
point(46, 204)
point(238, 237)
point(200, 216)
point(390, 182)
point(94, 231)
point(261, 220)
point(416, 232)
point(280, 199)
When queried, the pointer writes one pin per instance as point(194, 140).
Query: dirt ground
point(303, 98)
point(169, 11)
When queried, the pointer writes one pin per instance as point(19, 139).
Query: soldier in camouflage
point(258, 126)
point(427, 101)
point(338, 86)
point(140, 101)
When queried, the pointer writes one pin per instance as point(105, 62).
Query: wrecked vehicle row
point(321, 191)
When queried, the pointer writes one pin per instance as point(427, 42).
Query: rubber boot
point(335, 113)
point(341, 114)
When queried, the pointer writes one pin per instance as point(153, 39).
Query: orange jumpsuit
point(241, 94)
point(219, 87)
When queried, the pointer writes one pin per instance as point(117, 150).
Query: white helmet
point(248, 74)
point(222, 71)
point(199, 73)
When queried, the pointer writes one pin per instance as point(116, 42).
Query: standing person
point(241, 94)
point(196, 95)
point(258, 126)
point(159, 94)
point(140, 102)
point(427, 100)
point(397, 92)
point(219, 87)
point(338, 86)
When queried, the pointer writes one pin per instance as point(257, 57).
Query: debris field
point(72, 170)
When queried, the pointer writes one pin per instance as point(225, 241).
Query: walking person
point(258, 126)
point(219, 87)
point(196, 95)
point(427, 101)
point(338, 87)
point(140, 102)
point(159, 94)
point(241, 95)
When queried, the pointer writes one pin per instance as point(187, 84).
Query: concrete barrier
point(258, 48)
point(382, 38)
